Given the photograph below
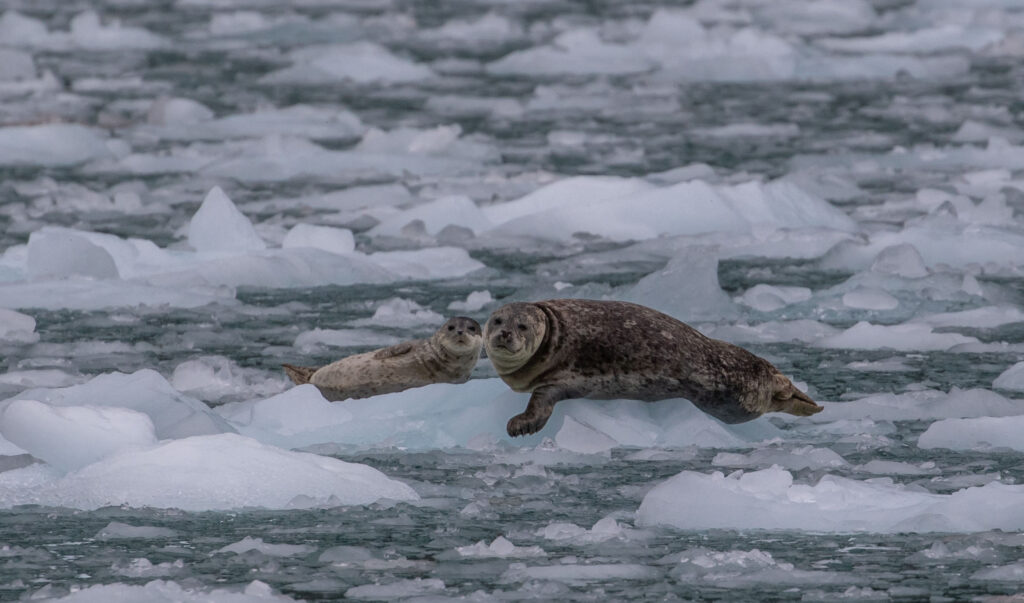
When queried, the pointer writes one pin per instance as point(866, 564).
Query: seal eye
point(472, 329)
point(521, 327)
point(451, 327)
point(497, 321)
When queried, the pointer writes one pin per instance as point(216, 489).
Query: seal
point(575, 348)
point(448, 356)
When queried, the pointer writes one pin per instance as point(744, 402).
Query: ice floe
point(769, 499)
point(974, 433)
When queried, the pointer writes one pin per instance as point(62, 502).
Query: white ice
point(201, 473)
point(1011, 379)
point(95, 270)
point(17, 327)
point(165, 591)
point(271, 550)
point(444, 416)
point(52, 144)
point(769, 499)
point(71, 437)
point(358, 62)
point(975, 433)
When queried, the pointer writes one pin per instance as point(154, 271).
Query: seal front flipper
point(787, 398)
point(537, 412)
point(300, 374)
point(396, 350)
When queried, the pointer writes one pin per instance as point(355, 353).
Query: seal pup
point(575, 348)
point(448, 356)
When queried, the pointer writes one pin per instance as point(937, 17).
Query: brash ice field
point(193, 192)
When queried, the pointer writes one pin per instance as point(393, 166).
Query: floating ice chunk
point(400, 589)
point(1011, 379)
point(805, 457)
point(577, 437)
point(291, 267)
point(116, 530)
point(51, 145)
point(87, 32)
point(203, 473)
point(1014, 572)
point(95, 295)
point(297, 120)
point(39, 378)
point(16, 65)
point(815, 16)
point(445, 415)
point(360, 62)
point(428, 263)
point(474, 302)
point(16, 327)
point(161, 591)
point(974, 433)
point(218, 226)
point(987, 317)
point(488, 30)
point(692, 207)
point(457, 210)
point(216, 378)
point(901, 260)
point(344, 338)
point(869, 298)
point(768, 499)
point(500, 548)
point(65, 253)
point(177, 111)
point(272, 550)
point(768, 298)
point(750, 130)
point(921, 405)
point(18, 30)
point(882, 467)
point(687, 288)
point(731, 569)
point(578, 190)
point(904, 337)
point(296, 418)
point(70, 437)
point(577, 573)
point(924, 41)
point(572, 52)
point(773, 331)
point(398, 312)
point(333, 240)
point(173, 414)
point(888, 365)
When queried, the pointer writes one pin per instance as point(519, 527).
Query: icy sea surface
point(194, 191)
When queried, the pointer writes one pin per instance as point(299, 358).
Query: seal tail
point(299, 374)
point(787, 398)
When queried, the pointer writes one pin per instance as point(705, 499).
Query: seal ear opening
point(787, 398)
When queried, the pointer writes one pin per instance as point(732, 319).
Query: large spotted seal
point(575, 348)
point(448, 356)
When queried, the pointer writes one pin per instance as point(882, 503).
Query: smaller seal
point(578, 348)
point(448, 356)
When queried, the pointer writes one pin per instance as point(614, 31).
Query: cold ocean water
point(194, 191)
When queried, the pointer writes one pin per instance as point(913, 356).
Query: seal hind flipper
point(396, 350)
point(787, 398)
point(299, 374)
point(537, 412)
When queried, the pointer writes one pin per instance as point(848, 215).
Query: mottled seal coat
point(448, 356)
point(574, 348)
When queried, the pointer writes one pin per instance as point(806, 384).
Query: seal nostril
point(459, 332)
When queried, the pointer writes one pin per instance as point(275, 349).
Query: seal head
point(459, 336)
point(513, 334)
